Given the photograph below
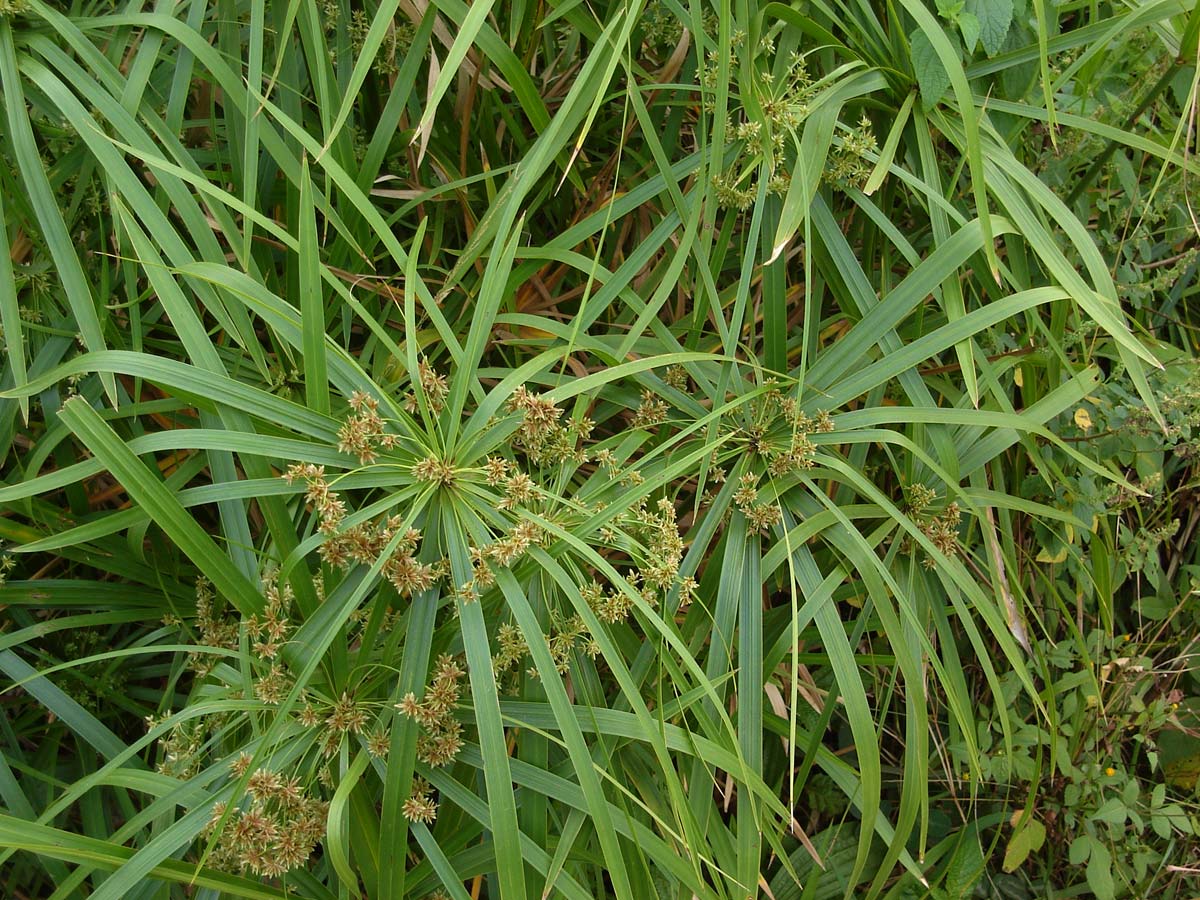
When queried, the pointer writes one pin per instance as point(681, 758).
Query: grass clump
point(594, 450)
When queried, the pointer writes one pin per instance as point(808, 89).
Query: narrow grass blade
point(312, 301)
point(146, 489)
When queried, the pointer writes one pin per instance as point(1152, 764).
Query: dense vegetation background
point(558, 449)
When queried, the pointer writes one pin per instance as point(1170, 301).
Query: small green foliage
point(930, 71)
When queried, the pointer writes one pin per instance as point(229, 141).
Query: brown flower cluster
point(329, 506)
point(269, 629)
point(566, 633)
point(850, 164)
point(759, 516)
point(420, 805)
point(540, 436)
point(362, 434)
point(519, 490)
point(346, 716)
point(651, 411)
point(379, 742)
point(216, 630)
point(275, 832)
point(503, 551)
point(406, 573)
point(181, 748)
point(495, 470)
point(661, 553)
point(798, 455)
point(433, 385)
point(441, 739)
point(918, 498)
point(364, 542)
point(942, 529)
point(608, 605)
point(664, 547)
point(431, 468)
point(274, 685)
point(800, 451)
point(512, 649)
point(677, 377)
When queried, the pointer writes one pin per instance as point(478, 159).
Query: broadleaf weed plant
point(597, 450)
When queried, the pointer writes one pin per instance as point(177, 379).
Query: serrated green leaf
point(968, 24)
point(994, 18)
point(932, 77)
point(965, 867)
